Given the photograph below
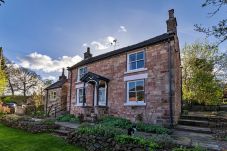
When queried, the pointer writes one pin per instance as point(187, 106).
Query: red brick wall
point(156, 85)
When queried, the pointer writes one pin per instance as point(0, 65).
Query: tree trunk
point(11, 87)
point(24, 89)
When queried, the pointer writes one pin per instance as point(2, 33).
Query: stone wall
point(114, 68)
point(98, 143)
point(28, 125)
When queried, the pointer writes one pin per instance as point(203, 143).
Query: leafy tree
point(199, 82)
point(218, 31)
point(3, 81)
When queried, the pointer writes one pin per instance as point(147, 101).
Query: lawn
point(18, 140)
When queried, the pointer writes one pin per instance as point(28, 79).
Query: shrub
point(116, 122)
point(151, 128)
point(4, 109)
point(68, 118)
point(100, 130)
point(125, 139)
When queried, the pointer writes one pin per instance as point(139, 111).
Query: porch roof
point(90, 76)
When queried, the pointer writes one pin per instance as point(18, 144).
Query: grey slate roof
point(57, 84)
point(145, 43)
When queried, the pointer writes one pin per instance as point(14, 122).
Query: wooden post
point(97, 94)
point(84, 95)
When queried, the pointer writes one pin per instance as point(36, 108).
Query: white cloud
point(122, 29)
point(99, 45)
point(103, 44)
point(50, 78)
point(84, 45)
point(36, 61)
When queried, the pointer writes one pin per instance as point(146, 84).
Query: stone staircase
point(65, 128)
point(195, 124)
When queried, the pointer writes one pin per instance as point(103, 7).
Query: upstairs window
point(136, 61)
point(81, 72)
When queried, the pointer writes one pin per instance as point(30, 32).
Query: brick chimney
point(171, 22)
point(87, 54)
point(62, 77)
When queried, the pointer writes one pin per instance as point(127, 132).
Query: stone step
point(190, 117)
point(61, 132)
point(194, 129)
point(193, 123)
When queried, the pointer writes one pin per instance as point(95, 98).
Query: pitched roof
point(148, 42)
point(57, 84)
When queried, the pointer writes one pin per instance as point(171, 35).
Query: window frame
point(53, 95)
point(128, 61)
point(78, 103)
point(128, 102)
point(78, 73)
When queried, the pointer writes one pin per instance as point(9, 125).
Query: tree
point(3, 81)
point(218, 31)
point(27, 80)
point(199, 82)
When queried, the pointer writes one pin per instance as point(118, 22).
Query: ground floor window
point(135, 91)
point(80, 96)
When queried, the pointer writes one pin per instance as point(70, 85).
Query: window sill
point(135, 104)
point(136, 70)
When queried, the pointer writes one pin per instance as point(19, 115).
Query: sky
point(47, 35)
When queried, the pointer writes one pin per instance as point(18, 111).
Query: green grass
point(18, 140)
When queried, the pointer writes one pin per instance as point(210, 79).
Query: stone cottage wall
point(156, 85)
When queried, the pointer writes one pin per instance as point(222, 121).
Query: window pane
point(80, 92)
point(140, 96)
point(140, 56)
point(132, 65)
point(85, 70)
point(139, 85)
point(140, 64)
point(132, 96)
point(81, 99)
point(132, 86)
point(132, 57)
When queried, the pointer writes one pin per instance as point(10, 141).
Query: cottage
point(138, 82)
point(56, 96)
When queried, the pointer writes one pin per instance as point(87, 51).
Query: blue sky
point(38, 33)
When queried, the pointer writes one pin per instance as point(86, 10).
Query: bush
point(125, 124)
point(116, 122)
point(4, 109)
point(68, 118)
point(151, 128)
point(100, 130)
point(125, 139)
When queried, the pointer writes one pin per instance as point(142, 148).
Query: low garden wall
point(28, 124)
point(97, 143)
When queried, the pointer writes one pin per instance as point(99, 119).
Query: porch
point(99, 105)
